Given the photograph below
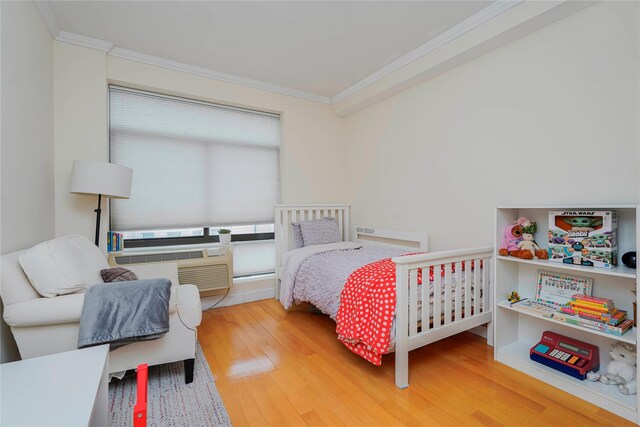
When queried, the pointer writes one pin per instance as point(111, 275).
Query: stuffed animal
point(621, 370)
point(512, 235)
point(528, 244)
point(515, 244)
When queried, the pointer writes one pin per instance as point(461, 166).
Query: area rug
point(171, 402)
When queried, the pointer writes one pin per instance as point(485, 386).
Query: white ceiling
point(317, 47)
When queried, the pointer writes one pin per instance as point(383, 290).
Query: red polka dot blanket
point(368, 306)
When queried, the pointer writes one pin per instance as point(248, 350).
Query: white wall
point(552, 118)
point(313, 160)
point(27, 136)
point(81, 133)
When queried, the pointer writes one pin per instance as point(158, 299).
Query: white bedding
point(292, 260)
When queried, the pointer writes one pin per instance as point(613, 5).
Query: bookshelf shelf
point(631, 336)
point(516, 355)
point(617, 271)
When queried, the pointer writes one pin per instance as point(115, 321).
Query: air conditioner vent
point(205, 277)
point(157, 257)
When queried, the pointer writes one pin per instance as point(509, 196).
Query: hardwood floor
point(281, 368)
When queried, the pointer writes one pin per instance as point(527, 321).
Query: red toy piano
point(565, 354)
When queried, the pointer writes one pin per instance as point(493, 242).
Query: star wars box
point(585, 238)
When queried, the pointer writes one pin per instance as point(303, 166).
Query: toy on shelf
point(621, 370)
point(585, 238)
point(514, 297)
point(572, 357)
point(518, 240)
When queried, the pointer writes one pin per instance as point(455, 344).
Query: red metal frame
point(140, 409)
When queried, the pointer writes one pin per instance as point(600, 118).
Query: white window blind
point(195, 163)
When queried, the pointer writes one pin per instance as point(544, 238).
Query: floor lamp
point(101, 178)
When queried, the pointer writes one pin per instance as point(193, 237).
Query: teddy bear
point(621, 370)
point(528, 244)
point(514, 243)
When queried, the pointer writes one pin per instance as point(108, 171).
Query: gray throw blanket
point(124, 312)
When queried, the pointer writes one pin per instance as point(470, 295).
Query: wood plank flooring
point(278, 368)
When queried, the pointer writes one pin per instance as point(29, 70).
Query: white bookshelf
point(517, 331)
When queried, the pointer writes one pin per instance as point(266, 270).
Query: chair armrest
point(156, 270)
point(189, 306)
point(45, 311)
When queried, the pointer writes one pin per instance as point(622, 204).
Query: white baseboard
point(243, 291)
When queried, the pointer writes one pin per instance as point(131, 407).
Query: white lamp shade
point(94, 177)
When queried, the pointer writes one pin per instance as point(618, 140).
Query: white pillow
point(297, 235)
point(320, 231)
point(63, 265)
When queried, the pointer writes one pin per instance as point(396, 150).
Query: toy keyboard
point(566, 355)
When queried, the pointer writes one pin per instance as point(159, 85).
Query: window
point(197, 167)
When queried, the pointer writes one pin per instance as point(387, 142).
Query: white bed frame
point(414, 328)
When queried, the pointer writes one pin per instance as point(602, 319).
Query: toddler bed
point(317, 273)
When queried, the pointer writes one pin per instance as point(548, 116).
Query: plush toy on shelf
point(621, 370)
point(514, 297)
point(518, 240)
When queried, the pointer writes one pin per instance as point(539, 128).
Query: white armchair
point(44, 326)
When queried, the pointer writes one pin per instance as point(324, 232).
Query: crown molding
point(213, 74)
point(474, 21)
point(48, 17)
point(84, 41)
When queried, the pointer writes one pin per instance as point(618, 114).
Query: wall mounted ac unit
point(209, 269)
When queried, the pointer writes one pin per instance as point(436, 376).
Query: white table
point(64, 389)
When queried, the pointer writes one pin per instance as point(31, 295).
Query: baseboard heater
point(209, 269)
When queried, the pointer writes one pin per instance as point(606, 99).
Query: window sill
point(253, 279)
point(171, 248)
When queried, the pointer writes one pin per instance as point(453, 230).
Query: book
point(604, 318)
point(595, 321)
point(606, 302)
point(590, 308)
point(115, 241)
point(534, 307)
point(579, 308)
point(617, 330)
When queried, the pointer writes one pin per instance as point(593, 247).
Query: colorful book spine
point(618, 317)
point(602, 314)
point(606, 302)
point(612, 320)
point(579, 309)
point(115, 241)
point(618, 330)
point(591, 308)
point(573, 309)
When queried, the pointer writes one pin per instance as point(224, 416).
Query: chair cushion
point(63, 265)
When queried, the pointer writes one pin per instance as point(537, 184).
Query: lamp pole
point(98, 211)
